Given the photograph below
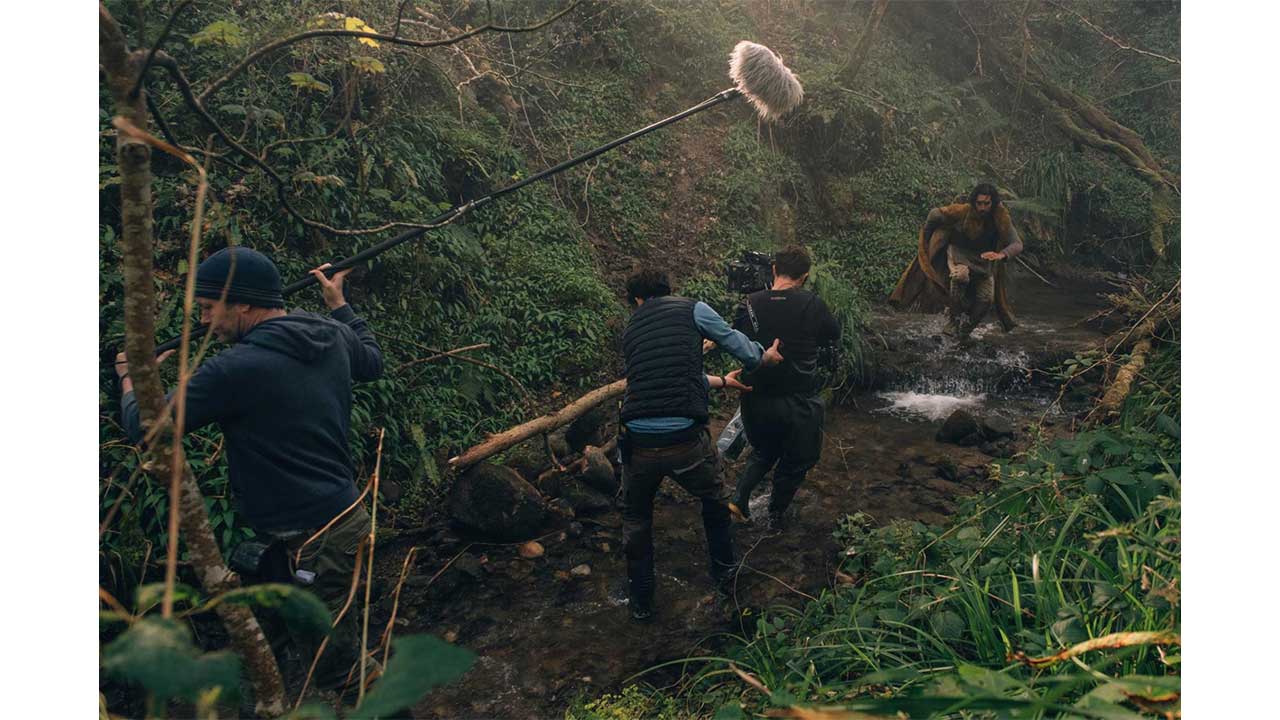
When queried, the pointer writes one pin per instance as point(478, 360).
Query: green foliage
point(304, 613)
point(419, 664)
point(158, 654)
point(633, 703)
point(1080, 539)
point(221, 32)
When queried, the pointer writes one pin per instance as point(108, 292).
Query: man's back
point(804, 324)
point(282, 398)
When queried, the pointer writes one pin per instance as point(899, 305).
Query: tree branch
point(282, 186)
point(290, 40)
point(1113, 40)
point(849, 72)
point(164, 35)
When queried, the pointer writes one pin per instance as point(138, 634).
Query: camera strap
point(751, 313)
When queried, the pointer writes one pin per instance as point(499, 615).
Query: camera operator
point(783, 414)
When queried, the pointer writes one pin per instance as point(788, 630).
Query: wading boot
point(642, 613)
point(975, 318)
point(955, 308)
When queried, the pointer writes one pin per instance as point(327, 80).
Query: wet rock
point(582, 570)
point(559, 445)
point(946, 469)
point(599, 474)
point(532, 549)
point(561, 507)
point(590, 429)
point(574, 530)
point(496, 502)
point(470, 566)
point(518, 570)
point(960, 428)
point(995, 428)
point(988, 449)
point(584, 500)
point(946, 487)
point(528, 459)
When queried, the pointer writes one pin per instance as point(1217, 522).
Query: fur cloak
point(924, 285)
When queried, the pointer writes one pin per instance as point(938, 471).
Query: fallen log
point(545, 424)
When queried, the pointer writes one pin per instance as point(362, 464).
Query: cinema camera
point(751, 273)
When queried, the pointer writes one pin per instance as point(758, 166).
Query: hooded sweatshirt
point(282, 397)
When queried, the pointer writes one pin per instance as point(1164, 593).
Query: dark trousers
point(694, 465)
point(332, 558)
point(785, 431)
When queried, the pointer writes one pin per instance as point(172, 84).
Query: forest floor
point(545, 634)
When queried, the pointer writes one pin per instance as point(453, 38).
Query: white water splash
point(929, 406)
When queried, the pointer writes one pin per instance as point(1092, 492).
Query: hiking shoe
point(777, 523)
point(642, 613)
point(739, 514)
point(725, 583)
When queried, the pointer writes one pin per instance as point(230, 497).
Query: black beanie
point(255, 280)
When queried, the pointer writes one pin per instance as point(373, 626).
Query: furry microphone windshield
point(759, 74)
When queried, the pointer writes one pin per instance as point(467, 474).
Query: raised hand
point(331, 288)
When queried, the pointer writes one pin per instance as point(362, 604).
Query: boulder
point(598, 474)
point(946, 469)
point(994, 428)
point(529, 459)
point(559, 445)
point(494, 501)
point(591, 428)
point(960, 429)
point(585, 500)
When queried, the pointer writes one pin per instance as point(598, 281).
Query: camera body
point(751, 273)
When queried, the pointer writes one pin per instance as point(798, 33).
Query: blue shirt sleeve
point(714, 328)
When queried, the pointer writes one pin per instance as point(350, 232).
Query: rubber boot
point(975, 318)
point(955, 308)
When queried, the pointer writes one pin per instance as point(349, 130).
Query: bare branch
point(282, 186)
point(1127, 93)
point(441, 354)
point(853, 64)
point(164, 35)
point(287, 41)
point(1113, 40)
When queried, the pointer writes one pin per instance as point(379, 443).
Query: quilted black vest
point(662, 349)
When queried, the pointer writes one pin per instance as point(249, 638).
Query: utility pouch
point(261, 562)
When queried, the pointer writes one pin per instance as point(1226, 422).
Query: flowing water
point(546, 636)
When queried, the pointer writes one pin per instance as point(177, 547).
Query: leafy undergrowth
point(1055, 595)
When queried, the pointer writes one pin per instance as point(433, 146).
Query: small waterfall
point(926, 375)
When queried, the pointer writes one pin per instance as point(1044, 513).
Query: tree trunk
point(134, 158)
point(859, 55)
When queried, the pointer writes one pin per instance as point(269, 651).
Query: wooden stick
point(518, 434)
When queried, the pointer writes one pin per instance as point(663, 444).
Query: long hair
point(985, 189)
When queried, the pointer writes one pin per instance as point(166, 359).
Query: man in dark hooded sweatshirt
point(281, 394)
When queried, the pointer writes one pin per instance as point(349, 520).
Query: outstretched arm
point(366, 355)
point(714, 328)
